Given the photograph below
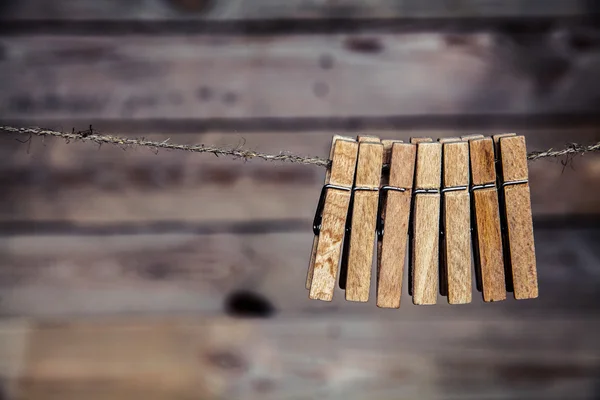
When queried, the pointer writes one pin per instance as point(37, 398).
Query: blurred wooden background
point(129, 273)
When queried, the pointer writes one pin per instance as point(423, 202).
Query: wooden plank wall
point(124, 273)
point(243, 10)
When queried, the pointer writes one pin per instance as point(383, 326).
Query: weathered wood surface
point(395, 212)
point(515, 199)
point(48, 180)
point(546, 348)
point(455, 241)
point(313, 251)
point(362, 235)
point(487, 235)
point(424, 250)
point(208, 77)
point(215, 358)
point(334, 215)
point(151, 10)
point(177, 273)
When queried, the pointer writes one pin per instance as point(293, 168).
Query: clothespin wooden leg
point(478, 283)
point(517, 216)
point(425, 221)
point(330, 219)
point(501, 202)
point(395, 203)
point(364, 218)
point(487, 239)
point(455, 256)
point(313, 253)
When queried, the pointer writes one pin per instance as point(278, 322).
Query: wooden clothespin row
point(330, 219)
point(395, 197)
point(357, 259)
point(425, 223)
point(516, 216)
point(487, 238)
point(455, 237)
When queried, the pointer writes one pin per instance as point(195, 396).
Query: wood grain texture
point(190, 357)
point(521, 241)
point(425, 252)
point(487, 226)
point(483, 166)
point(457, 246)
point(402, 169)
point(364, 219)
point(426, 226)
point(513, 152)
point(335, 211)
point(151, 274)
point(518, 218)
point(488, 243)
point(456, 164)
point(172, 274)
point(385, 180)
point(505, 244)
point(496, 138)
point(456, 223)
point(313, 75)
point(313, 253)
point(396, 216)
point(150, 10)
point(429, 166)
point(443, 262)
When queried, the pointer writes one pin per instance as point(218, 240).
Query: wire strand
point(92, 135)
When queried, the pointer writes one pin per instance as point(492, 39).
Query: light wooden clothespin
point(425, 222)
point(487, 238)
point(395, 197)
point(466, 138)
point(455, 238)
point(330, 219)
point(515, 201)
point(358, 255)
point(505, 245)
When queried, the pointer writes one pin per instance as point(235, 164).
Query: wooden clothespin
point(505, 245)
point(425, 222)
point(487, 238)
point(394, 215)
point(455, 238)
point(358, 255)
point(330, 219)
point(515, 201)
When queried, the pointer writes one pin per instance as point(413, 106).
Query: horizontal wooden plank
point(47, 180)
point(340, 357)
point(180, 273)
point(271, 9)
point(208, 77)
point(14, 341)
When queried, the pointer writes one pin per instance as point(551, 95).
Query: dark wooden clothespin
point(487, 238)
point(515, 201)
point(395, 197)
point(358, 255)
point(425, 222)
point(330, 219)
point(455, 238)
